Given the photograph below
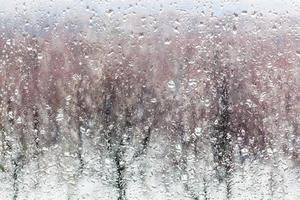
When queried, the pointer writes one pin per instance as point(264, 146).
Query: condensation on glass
point(149, 100)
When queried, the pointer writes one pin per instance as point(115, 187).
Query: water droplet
point(193, 82)
point(19, 120)
point(59, 116)
point(244, 12)
point(198, 131)
point(207, 103)
point(153, 100)
point(171, 84)
point(234, 29)
point(269, 66)
point(110, 12)
point(167, 41)
point(40, 56)
point(8, 42)
point(141, 35)
point(68, 98)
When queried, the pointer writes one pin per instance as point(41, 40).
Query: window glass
point(149, 99)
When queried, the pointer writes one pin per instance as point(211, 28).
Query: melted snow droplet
point(207, 103)
point(10, 115)
point(234, 29)
point(109, 12)
point(244, 152)
point(8, 42)
point(68, 98)
point(59, 116)
point(19, 120)
point(171, 84)
point(107, 161)
point(244, 12)
point(184, 177)
point(269, 65)
point(153, 100)
point(193, 82)
point(198, 131)
point(167, 41)
point(40, 56)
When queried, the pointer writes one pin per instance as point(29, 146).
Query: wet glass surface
point(142, 100)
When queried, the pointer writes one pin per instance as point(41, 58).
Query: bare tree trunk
point(18, 164)
point(222, 133)
point(120, 165)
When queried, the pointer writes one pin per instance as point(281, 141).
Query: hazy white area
point(56, 179)
point(218, 7)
